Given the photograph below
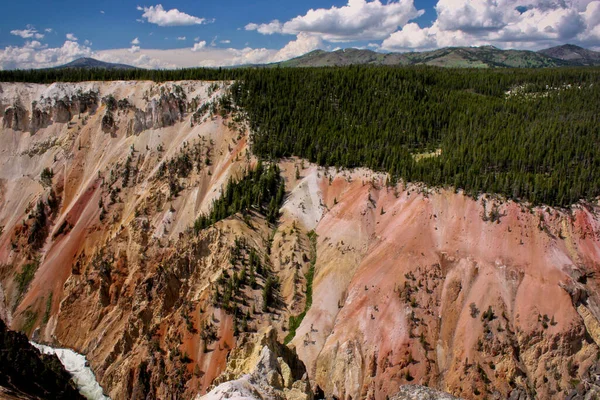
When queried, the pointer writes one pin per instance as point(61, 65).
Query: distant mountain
point(89, 63)
point(573, 54)
point(471, 57)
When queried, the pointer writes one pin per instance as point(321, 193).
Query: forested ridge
point(443, 127)
point(261, 189)
point(455, 128)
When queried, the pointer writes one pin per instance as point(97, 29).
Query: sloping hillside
point(452, 57)
point(573, 54)
point(102, 250)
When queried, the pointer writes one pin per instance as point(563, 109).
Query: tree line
point(455, 128)
point(444, 127)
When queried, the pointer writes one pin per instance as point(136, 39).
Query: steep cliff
point(100, 185)
point(25, 373)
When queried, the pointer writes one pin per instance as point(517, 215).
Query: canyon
point(378, 285)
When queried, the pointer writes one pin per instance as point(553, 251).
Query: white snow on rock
point(76, 365)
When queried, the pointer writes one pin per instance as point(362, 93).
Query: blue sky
point(166, 34)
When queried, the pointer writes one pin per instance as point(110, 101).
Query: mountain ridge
point(469, 57)
point(89, 63)
point(569, 52)
point(487, 56)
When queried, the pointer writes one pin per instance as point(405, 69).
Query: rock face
point(26, 373)
point(416, 392)
point(479, 298)
point(16, 117)
point(260, 367)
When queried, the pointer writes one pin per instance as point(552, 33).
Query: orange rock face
point(421, 286)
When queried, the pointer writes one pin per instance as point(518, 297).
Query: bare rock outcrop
point(39, 119)
point(416, 392)
point(260, 367)
point(16, 117)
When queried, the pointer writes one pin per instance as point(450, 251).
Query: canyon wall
point(100, 185)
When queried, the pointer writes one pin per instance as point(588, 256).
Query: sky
point(190, 33)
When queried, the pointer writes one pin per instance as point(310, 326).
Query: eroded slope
point(101, 184)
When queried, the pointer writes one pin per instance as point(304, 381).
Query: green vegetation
point(24, 278)
point(38, 229)
point(472, 57)
point(268, 292)
point(295, 321)
point(46, 176)
point(29, 322)
point(48, 308)
point(82, 75)
point(234, 290)
point(261, 190)
point(192, 156)
point(537, 144)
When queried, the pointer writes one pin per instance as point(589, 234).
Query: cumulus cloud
point(29, 32)
point(303, 44)
point(161, 17)
point(181, 38)
point(266, 29)
point(35, 55)
point(135, 41)
point(358, 20)
point(226, 41)
point(48, 30)
point(505, 23)
point(71, 37)
point(199, 46)
point(203, 55)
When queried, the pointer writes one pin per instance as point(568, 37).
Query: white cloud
point(410, 37)
point(358, 20)
point(181, 38)
point(101, 11)
point(161, 17)
point(199, 46)
point(303, 44)
point(48, 30)
point(35, 55)
point(87, 42)
point(266, 29)
point(71, 37)
point(203, 55)
point(34, 44)
point(28, 33)
point(530, 24)
point(226, 41)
